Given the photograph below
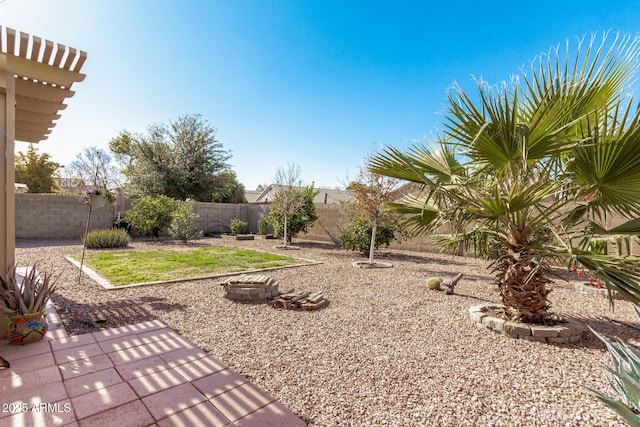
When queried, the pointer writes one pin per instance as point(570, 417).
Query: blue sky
point(317, 83)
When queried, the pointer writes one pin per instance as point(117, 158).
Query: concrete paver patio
point(138, 375)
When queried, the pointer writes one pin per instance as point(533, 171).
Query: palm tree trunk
point(522, 286)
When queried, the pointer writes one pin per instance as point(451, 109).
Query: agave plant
point(624, 378)
point(530, 168)
point(29, 296)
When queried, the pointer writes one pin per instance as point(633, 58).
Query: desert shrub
point(356, 236)
point(183, 223)
point(238, 226)
point(263, 227)
point(111, 238)
point(150, 215)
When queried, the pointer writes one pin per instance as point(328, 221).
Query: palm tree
point(528, 169)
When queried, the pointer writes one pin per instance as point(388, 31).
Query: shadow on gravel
point(81, 318)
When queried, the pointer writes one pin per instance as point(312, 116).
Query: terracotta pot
point(26, 328)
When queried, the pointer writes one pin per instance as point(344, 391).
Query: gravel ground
point(386, 351)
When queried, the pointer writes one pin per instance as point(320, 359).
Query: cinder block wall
point(51, 216)
point(48, 216)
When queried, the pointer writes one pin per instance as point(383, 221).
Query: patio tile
point(272, 415)
point(11, 351)
point(29, 379)
point(54, 414)
point(72, 341)
point(160, 335)
point(121, 343)
point(156, 382)
point(85, 366)
point(47, 393)
point(182, 356)
point(173, 400)
point(143, 367)
point(77, 353)
point(123, 331)
point(241, 401)
point(55, 334)
point(145, 351)
point(91, 382)
point(203, 414)
point(219, 383)
point(132, 414)
point(27, 364)
point(102, 400)
point(200, 368)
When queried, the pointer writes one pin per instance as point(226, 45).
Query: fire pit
point(251, 288)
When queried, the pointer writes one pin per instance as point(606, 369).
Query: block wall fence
point(50, 216)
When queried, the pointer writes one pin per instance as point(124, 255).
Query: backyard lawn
point(128, 267)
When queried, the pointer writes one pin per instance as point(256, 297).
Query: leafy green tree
point(292, 210)
point(150, 215)
point(228, 189)
point(554, 149)
point(122, 148)
point(182, 160)
point(36, 171)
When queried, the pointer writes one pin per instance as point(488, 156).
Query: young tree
point(182, 160)
point(292, 209)
point(36, 171)
point(371, 192)
point(94, 167)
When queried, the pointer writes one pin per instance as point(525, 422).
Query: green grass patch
point(127, 267)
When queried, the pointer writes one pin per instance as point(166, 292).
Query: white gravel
point(386, 351)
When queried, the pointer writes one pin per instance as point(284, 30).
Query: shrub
point(150, 215)
point(111, 238)
point(357, 236)
point(238, 226)
point(183, 223)
point(263, 227)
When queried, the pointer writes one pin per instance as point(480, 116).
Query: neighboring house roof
point(325, 196)
point(251, 195)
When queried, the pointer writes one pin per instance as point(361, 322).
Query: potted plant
point(24, 304)
point(98, 198)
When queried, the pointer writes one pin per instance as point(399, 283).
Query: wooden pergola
point(35, 80)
